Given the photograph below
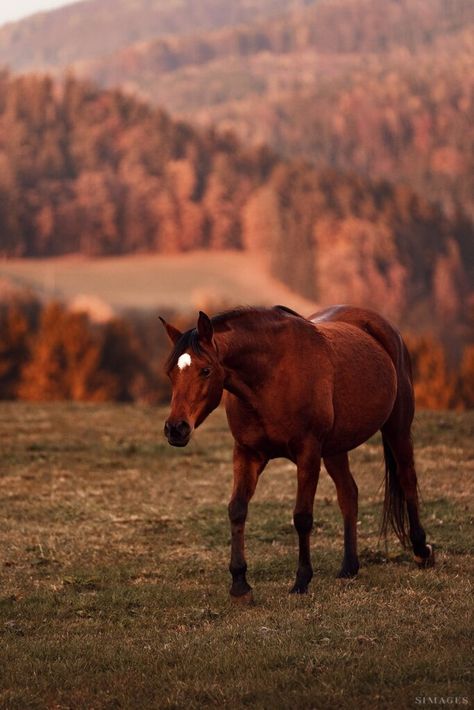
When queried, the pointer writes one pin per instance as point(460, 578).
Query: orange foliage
point(466, 377)
point(71, 359)
point(435, 386)
point(61, 355)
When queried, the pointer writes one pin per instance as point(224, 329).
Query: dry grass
point(113, 588)
point(179, 281)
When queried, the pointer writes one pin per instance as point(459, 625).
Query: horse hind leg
point(402, 495)
point(347, 496)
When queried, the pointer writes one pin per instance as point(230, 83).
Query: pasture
point(179, 282)
point(113, 573)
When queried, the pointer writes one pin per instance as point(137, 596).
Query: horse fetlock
point(238, 570)
point(349, 569)
point(304, 575)
point(240, 587)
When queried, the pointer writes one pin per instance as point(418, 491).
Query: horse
point(305, 389)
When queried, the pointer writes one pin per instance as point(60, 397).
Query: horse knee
point(237, 510)
point(303, 522)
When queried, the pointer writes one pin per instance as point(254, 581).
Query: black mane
point(189, 340)
point(243, 310)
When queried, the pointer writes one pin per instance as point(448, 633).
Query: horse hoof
point(243, 599)
point(425, 562)
point(346, 574)
point(299, 589)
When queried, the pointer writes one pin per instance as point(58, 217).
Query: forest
point(97, 172)
point(382, 88)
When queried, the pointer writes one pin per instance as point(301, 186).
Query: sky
point(10, 11)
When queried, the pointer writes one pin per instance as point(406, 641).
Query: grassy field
point(178, 281)
point(113, 586)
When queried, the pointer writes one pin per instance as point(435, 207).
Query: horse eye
point(206, 371)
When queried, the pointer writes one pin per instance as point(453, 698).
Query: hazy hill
point(380, 87)
point(99, 173)
point(92, 28)
point(327, 27)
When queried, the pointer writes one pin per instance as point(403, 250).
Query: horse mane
point(267, 314)
point(290, 311)
point(189, 340)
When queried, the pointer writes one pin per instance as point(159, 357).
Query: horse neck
point(244, 357)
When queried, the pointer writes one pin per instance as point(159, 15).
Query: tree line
point(50, 353)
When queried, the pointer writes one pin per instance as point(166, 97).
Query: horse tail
point(394, 506)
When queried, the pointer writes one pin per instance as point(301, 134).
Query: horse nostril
point(177, 431)
point(183, 428)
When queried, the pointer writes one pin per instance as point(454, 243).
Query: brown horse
point(306, 390)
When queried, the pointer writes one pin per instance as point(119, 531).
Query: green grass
point(113, 586)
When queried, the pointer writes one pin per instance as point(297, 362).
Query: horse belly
point(365, 388)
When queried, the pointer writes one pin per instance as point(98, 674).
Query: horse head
point(197, 379)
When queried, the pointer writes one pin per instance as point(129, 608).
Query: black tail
point(394, 506)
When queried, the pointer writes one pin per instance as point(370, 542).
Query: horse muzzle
point(178, 433)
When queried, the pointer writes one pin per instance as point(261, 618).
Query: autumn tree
point(435, 385)
point(14, 347)
point(64, 358)
point(466, 377)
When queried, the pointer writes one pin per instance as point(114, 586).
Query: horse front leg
point(247, 468)
point(308, 466)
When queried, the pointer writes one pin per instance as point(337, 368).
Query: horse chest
point(254, 429)
point(269, 428)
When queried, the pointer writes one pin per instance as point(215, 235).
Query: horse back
point(376, 326)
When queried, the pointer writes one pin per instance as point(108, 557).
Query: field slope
point(113, 587)
point(178, 281)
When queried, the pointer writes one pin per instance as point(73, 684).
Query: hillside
point(99, 173)
point(345, 27)
point(383, 88)
point(379, 87)
point(91, 28)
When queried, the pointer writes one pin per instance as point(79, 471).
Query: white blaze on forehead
point(184, 361)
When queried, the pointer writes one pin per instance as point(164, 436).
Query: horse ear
point(173, 333)
point(204, 328)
